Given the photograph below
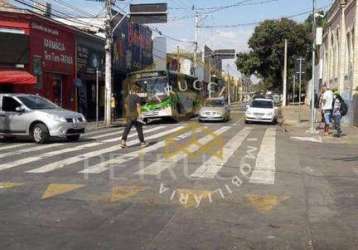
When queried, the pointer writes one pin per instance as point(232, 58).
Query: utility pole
point(294, 88)
point(228, 85)
point(312, 129)
point(97, 96)
point(108, 64)
point(195, 40)
point(300, 90)
point(284, 102)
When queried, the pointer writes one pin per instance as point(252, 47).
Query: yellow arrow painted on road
point(58, 189)
point(9, 185)
point(123, 192)
point(265, 203)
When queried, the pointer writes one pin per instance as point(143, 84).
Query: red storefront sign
point(55, 46)
point(52, 49)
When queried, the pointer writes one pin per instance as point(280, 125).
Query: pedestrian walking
point(337, 115)
point(133, 114)
point(327, 101)
point(113, 107)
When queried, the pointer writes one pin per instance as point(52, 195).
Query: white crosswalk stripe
point(264, 172)
point(163, 164)
point(75, 154)
point(17, 145)
point(78, 158)
point(92, 135)
point(63, 151)
point(54, 146)
point(33, 147)
point(104, 166)
point(213, 165)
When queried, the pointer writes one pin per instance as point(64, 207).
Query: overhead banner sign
point(225, 53)
point(149, 13)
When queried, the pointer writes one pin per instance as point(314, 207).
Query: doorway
point(57, 90)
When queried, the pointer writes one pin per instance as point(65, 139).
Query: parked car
point(37, 117)
point(261, 110)
point(214, 109)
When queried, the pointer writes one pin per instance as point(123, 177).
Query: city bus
point(167, 94)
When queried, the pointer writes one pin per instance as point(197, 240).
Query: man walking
point(133, 112)
point(337, 114)
point(327, 106)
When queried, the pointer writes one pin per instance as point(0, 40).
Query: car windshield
point(262, 104)
point(214, 103)
point(37, 102)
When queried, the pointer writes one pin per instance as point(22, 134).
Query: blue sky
point(181, 20)
point(181, 24)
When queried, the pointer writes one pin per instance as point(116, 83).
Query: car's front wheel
point(73, 138)
point(40, 133)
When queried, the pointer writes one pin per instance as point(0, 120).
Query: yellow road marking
point(9, 185)
point(123, 192)
point(58, 189)
point(265, 203)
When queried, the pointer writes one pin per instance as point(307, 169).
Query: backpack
point(344, 108)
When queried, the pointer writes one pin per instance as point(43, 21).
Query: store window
point(18, 52)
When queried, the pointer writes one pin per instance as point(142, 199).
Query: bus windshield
point(154, 86)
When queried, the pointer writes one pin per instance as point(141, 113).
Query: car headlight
point(57, 118)
point(83, 118)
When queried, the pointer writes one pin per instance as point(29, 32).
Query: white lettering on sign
point(45, 29)
point(49, 44)
point(58, 58)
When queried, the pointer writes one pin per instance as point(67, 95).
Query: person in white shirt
point(327, 106)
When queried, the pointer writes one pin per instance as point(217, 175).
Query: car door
point(14, 121)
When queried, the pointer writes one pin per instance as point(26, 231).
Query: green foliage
point(267, 50)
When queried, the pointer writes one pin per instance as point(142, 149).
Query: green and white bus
point(167, 94)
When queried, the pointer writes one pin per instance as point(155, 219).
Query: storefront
point(43, 49)
point(132, 51)
point(89, 65)
point(52, 54)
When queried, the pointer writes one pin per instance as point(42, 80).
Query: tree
point(266, 55)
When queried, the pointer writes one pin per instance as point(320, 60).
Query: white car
point(261, 110)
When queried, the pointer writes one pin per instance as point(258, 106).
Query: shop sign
point(88, 60)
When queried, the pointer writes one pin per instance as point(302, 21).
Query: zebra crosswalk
point(29, 159)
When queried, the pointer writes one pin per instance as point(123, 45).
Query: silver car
point(37, 117)
point(215, 109)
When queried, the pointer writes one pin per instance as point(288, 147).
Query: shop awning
point(16, 77)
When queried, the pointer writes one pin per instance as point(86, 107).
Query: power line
point(258, 22)
point(72, 7)
point(60, 14)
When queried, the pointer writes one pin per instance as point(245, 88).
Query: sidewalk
point(301, 128)
point(93, 125)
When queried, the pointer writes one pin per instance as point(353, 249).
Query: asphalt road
point(196, 186)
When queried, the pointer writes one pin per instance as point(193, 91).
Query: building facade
point(47, 51)
point(65, 62)
point(339, 51)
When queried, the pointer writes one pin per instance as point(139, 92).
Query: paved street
point(196, 186)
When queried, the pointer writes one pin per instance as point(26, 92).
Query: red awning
point(16, 77)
